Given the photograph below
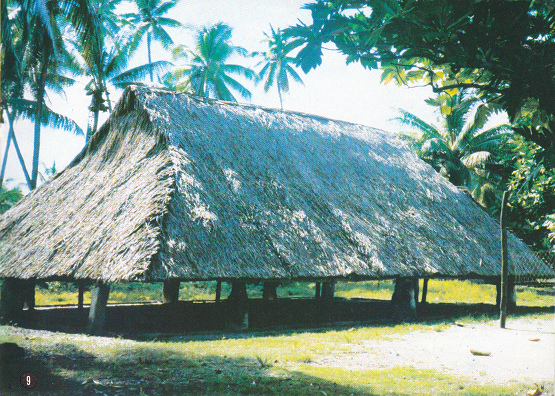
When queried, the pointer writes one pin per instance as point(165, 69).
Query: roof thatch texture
point(175, 186)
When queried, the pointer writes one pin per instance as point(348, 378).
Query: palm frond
point(140, 72)
point(237, 86)
point(221, 91)
point(477, 159)
point(165, 7)
point(429, 131)
point(180, 52)
point(162, 36)
point(491, 139)
point(239, 70)
point(49, 118)
point(169, 22)
point(294, 74)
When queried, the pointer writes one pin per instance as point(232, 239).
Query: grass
point(252, 363)
point(446, 291)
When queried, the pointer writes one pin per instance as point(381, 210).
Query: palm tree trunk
point(38, 116)
point(148, 41)
point(11, 136)
point(109, 103)
point(91, 130)
point(279, 93)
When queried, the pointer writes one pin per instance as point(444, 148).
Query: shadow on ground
point(187, 317)
point(67, 370)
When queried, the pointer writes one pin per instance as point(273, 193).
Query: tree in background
point(111, 22)
point(532, 198)
point(461, 149)
point(32, 49)
point(208, 72)
point(113, 51)
point(151, 22)
point(505, 50)
point(277, 64)
point(8, 198)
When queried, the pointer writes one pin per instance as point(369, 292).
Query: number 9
point(28, 380)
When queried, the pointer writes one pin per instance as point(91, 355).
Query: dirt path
point(523, 352)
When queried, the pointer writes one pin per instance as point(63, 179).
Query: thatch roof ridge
point(177, 186)
point(140, 90)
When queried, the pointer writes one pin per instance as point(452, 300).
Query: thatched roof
point(175, 186)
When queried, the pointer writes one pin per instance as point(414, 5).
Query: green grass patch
point(253, 364)
point(406, 381)
point(439, 291)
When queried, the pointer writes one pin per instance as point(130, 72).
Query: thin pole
point(424, 290)
point(218, 291)
point(81, 285)
point(504, 263)
point(318, 291)
point(11, 137)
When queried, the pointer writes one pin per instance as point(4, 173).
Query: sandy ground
point(522, 352)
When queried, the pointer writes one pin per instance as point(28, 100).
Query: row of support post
point(18, 294)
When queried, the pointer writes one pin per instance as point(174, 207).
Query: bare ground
point(522, 352)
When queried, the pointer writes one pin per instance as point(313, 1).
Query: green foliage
point(8, 198)
point(532, 199)
point(208, 72)
point(110, 21)
point(277, 64)
point(151, 22)
point(504, 49)
point(108, 68)
point(34, 48)
point(461, 149)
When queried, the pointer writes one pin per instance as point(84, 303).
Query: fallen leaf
point(479, 353)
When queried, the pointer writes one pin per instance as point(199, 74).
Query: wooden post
point(416, 287)
point(238, 306)
point(170, 290)
point(328, 290)
point(11, 300)
point(504, 263)
point(424, 291)
point(269, 290)
point(97, 311)
point(403, 300)
point(218, 291)
point(80, 296)
point(29, 294)
point(318, 292)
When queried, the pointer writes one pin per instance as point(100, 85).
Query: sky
point(333, 90)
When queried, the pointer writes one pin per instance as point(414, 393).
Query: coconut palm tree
point(277, 65)
point(151, 23)
point(109, 19)
point(208, 73)
point(38, 50)
point(108, 68)
point(461, 149)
